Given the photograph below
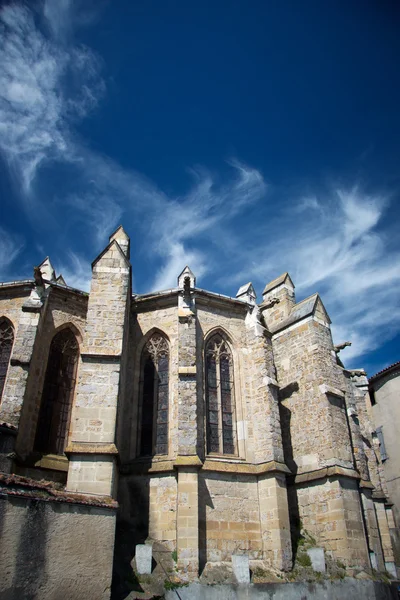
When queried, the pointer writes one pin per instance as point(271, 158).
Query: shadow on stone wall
point(132, 528)
point(204, 501)
point(294, 514)
point(30, 553)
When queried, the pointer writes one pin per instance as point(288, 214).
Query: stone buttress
point(187, 462)
point(92, 450)
point(319, 440)
point(265, 450)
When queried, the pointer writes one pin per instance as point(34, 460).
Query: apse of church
point(203, 424)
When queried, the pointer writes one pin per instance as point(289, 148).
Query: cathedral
point(203, 424)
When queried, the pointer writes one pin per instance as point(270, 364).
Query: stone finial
point(278, 300)
point(247, 293)
point(183, 279)
point(283, 281)
point(186, 281)
point(123, 240)
point(47, 270)
point(60, 280)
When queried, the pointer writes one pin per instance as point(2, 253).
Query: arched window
point(58, 391)
point(6, 344)
point(154, 397)
point(220, 397)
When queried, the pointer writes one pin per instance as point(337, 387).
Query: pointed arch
point(220, 395)
point(6, 345)
point(58, 393)
point(154, 395)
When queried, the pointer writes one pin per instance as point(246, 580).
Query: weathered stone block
point(317, 557)
point(143, 558)
point(240, 566)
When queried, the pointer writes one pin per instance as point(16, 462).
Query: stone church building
point(205, 424)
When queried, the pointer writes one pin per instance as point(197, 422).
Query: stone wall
point(315, 432)
point(62, 309)
point(330, 511)
point(51, 550)
point(229, 516)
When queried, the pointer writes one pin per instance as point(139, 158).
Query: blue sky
point(242, 138)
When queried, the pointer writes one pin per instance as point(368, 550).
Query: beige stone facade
point(220, 426)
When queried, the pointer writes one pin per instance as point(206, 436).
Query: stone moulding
point(326, 472)
point(215, 465)
point(94, 356)
point(187, 370)
point(53, 461)
point(222, 466)
point(90, 448)
point(328, 389)
point(20, 362)
point(188, 461)
point(366, 484)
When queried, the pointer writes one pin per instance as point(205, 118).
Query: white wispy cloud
point(36, 105)
point(339, 249)
point(76, 271)
point(10, 247)
point(229, 232)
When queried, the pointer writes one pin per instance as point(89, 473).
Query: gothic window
point(57, 396)
point(6, 344)
point(154, 397)
point(220, 398)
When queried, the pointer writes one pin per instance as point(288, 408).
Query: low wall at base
point(55, 549)
point(328, 590)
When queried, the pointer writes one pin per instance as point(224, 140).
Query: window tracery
point(6, 344)
point(155, 396)
point(57, 396)
point(220, 399)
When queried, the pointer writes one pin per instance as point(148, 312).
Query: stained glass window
point(57, 396)
point(220, 401)
point(6, 344)
point(155, 397)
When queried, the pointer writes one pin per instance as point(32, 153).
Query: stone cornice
point(223, 466)
point(211, 465)
point(91, 448)
point(97, 356)
point(334, 471)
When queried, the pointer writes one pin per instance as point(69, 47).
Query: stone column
point(92, 450)
point(187, 462)
point(187, 522)
point(274, 520)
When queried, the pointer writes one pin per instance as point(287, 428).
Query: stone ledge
point(142, 466)
point(270, 381)
point(187, 370)
point(92, 356)
point(326, 472)
point(327, 389)
point(53, 462)
point(366, 484)
point(33, 308)
point(20, 362)
point(222, 466)
point(91, 448)
point(188, 461)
